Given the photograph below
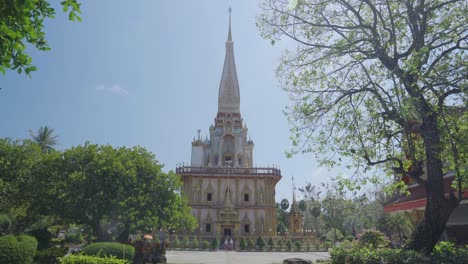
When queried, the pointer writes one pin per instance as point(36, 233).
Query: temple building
point(295, 218)
point(228, 195)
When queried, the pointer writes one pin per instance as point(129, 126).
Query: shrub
point(83, 259)
point(444, 248)
point(195, 242)
point(157, 241)
point(176, 242)
point(447, 253)
point(205, 244)
point(8, 249)
point(186, 242)
point(279, 244)
point(373, 238)
point(307, 245)
point(74, 235)
point(214, 243)
point(28, 247)
point(399, 256)
point(19, 250)
point(356, 253)
point(260, 243)
point(270, 243)
point(43, 237)
point(317, 245)
point(243, 244)
point(298, 245)
point(250, 243)
point(117, 250)
point(55, 242)
point(323, 237)
point(5, 224)
point(289, 244)
point(77, 238)
point(334, 235)
point(50, 255)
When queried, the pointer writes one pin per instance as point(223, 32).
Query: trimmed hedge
point(214, 243)
point(270, 243)
point(120, 251)
point(289, 244)
point(243, 244)
point(83, 259)
point(205, 244)
point(195, 243)
point(260, 243)
point(19, 250)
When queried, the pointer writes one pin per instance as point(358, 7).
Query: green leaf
point(30, 69)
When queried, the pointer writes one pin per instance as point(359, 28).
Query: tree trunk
point(123, 237)
point(438, 207)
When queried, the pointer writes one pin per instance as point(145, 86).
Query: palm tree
point(45, 138)
point(284, 204)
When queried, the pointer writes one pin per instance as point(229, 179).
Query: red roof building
point(414, 204)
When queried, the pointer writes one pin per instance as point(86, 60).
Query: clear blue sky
point(147, 73)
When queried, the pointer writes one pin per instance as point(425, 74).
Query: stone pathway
point(232, 257)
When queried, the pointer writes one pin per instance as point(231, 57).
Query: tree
point(22, 23)
point(302, 206)
point(270, 243)
point(281, 216)
point(370, 77)
point(243, 244)
point(284, 204)
point(110, 191)
point(45, 138)
point(195, 242)
point(315, 210)
point(17, 161)
point(335, 209)
point(122, 189)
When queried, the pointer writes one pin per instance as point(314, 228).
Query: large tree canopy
point(113, 191)
point(22, 22)
point(376, 81)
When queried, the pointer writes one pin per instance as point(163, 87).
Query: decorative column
point(220, 152)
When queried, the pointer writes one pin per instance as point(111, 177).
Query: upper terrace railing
point(229, 170)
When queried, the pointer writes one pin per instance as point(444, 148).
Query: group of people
point(228, 243)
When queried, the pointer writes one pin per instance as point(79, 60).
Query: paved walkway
point(232, 257)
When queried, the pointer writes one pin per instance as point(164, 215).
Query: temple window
point(246, 197)
point(246, 228)
point(209, 197)
point(208, 228)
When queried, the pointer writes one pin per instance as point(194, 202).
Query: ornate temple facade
point(295, 218)
point(228, 195)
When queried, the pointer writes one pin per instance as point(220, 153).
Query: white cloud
point(115, 89)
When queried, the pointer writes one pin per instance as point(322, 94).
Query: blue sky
point(147, 73)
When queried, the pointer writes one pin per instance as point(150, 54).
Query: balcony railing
point(228, 170)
